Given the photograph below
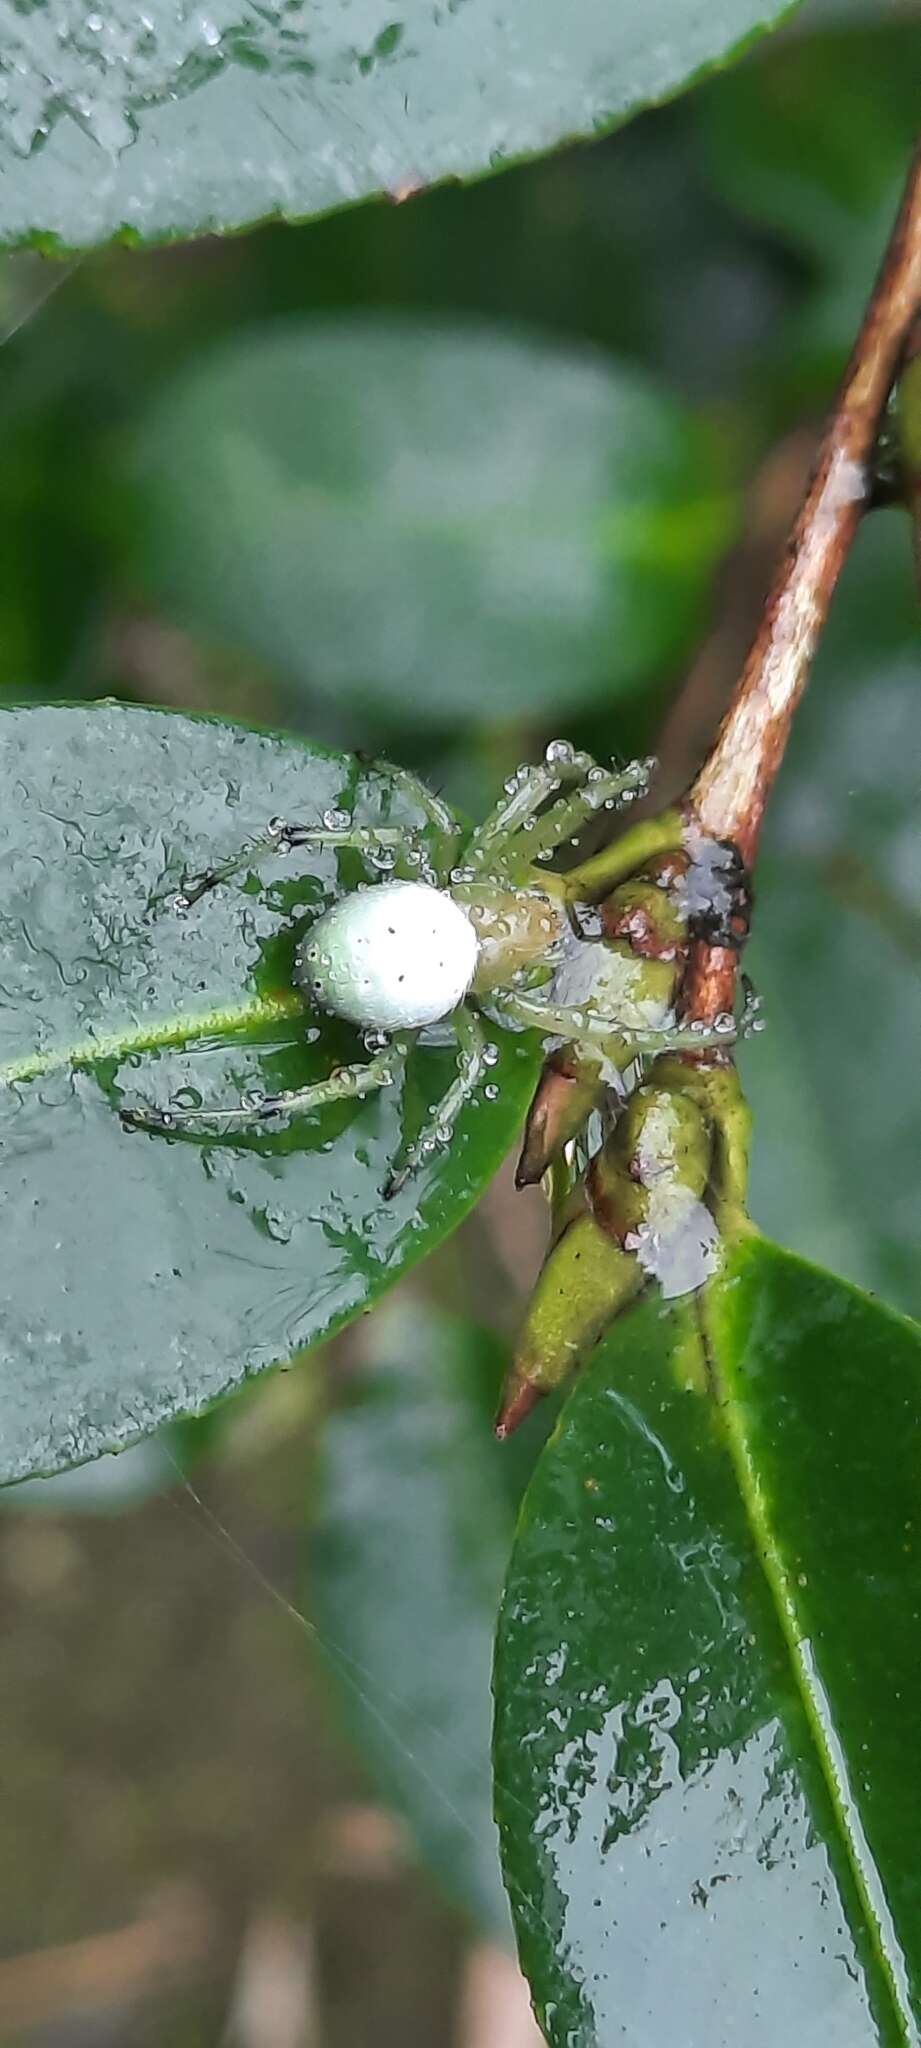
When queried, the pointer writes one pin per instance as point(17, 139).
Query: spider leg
point(472, 1062)
point(347, 1083)
point(623, 1043)
point(524, 796)
point(436, 810)
point(279, 839)
point(603, 789)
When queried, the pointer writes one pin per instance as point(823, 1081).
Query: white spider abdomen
point(389, 958)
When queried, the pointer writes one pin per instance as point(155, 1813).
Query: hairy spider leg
point(567, 1020)
point(347, 1083)
point(519, 807)
point(472, 1062)
point(427, 800)
point(281, 837)
point(565, 818)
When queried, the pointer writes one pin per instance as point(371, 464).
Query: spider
point(489, 934)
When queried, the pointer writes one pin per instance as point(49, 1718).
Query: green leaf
point(439, 523)
point(184, 120)
point(407, 1557)
point(143, 1276)
point(836, 943)
point(706, 1678)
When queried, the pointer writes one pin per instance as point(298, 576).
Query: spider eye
point(394, 957)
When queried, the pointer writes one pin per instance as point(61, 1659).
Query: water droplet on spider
point(188, 1098)
point(181, 904)
point(276, 827)
point(382, 857)
point(558, 753)
point(490, 1055)
point(443, 1134)
point(724, 1023)
point(491, 1091)
point(596, 775)
point(374, 1041)
point(462, 874)
point(413, 856)
point(336, 820)
point(252, 1099)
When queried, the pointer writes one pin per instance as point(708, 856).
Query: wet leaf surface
point(141, 1276)
point(445, 523)
point(406, 1564)
point(184, 119)
point(707, 1678)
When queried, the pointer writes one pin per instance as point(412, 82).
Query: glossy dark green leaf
point(142, 1276)
point(185, 118)
point(707, 1678)
point(837, 941)
point(411, 1542)
point(441, 522)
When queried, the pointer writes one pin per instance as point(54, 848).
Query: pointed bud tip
point(517, 1404)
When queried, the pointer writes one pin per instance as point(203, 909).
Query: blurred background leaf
point(431, 523)
point(155, 125)
point(407, 1557)
point(836, 945)
point(811, 144)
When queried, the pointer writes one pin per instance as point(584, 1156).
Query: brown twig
point(909, 432)
point(728, 798)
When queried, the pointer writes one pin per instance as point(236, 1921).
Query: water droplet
point(443, 1134)
point(490, 1055)
point(596, 775)
point(462, 874)
point(180, 904)
point(724, 1023)
point(558, 753)
point(383, 858)
point(491, 1091)
point(336, 820)
point(253, 1099)
point(276, 827)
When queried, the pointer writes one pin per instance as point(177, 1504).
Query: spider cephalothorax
point(590, 958)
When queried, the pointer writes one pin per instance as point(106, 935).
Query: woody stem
point(728, 798)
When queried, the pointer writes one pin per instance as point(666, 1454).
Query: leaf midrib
point(805, 1677)
point(150, 1037)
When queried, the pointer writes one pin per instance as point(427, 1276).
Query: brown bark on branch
point(728, 798)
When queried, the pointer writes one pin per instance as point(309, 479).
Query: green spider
point(489, 935)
